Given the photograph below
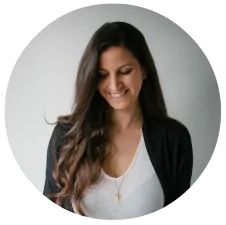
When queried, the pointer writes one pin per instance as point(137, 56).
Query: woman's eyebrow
point(124, 65)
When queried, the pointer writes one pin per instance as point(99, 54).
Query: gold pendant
point(118, 197)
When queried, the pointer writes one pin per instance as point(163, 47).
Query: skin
point(121, 73)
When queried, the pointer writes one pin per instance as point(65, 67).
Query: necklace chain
point(118, 194)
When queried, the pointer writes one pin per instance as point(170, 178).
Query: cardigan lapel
point(155, 143)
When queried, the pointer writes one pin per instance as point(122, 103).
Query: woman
point(118, 155)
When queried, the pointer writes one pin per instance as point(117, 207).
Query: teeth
point(118, 95)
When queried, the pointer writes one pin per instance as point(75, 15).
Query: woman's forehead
point(116, 57)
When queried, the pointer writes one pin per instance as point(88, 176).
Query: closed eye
point(127, 71)
point(102, 75)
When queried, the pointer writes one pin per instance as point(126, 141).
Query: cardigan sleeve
point(53, 152)
point(181, 156)
point(53, 147)
point(55, 143)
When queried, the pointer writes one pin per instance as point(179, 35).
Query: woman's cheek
point(101, 88)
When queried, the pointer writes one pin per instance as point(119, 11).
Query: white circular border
point(20, 200)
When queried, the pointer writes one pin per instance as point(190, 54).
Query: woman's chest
point(122, 154)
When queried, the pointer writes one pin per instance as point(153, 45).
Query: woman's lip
point(118, 95)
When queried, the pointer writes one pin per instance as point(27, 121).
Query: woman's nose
point(114, 83)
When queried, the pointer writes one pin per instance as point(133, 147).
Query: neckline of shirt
point(129, 167)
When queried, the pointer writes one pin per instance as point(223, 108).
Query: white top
point(141, 192)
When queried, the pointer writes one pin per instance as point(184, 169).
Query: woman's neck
point(121, 121)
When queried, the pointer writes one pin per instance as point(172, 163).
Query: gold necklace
point(118, 195)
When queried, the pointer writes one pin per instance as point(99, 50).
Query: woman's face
point(120, 78)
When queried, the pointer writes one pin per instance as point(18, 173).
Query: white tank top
point(141, 191)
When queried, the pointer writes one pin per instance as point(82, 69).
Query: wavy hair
point(84, 150)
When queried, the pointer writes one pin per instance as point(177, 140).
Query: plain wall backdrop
point(43, 79)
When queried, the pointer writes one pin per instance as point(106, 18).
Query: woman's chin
point(120, 107)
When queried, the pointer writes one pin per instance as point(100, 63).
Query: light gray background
point(43, 82)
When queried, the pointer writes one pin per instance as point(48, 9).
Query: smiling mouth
point(118, 95)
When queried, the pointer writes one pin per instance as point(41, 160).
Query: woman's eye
point(102, 76)
point(126, 71)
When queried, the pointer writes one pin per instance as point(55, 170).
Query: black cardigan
point(169, 146)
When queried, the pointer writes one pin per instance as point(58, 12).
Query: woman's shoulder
point(62, 128)
point(172, 123)
point(59, 132)
point(167, 124)
point(57, 139)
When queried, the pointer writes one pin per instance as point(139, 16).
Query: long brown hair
point(84, 150)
